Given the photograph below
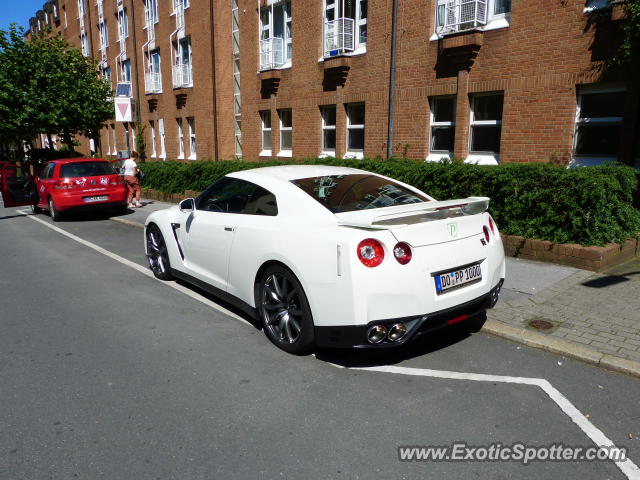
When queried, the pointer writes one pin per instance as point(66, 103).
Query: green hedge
point(589, 206)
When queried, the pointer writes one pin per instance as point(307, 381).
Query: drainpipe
point(392, 79)
point(213, 75)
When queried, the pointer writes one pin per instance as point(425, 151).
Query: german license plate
point(98, 198)
point(460, 277)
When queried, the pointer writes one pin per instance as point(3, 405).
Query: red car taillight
point(486, 233)
point(370, 252)
point(491, 225)
point(402, 252)
point(64, 184)
point(116, 181)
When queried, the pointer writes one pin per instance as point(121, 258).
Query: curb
point(124, 221)
point(562, 347)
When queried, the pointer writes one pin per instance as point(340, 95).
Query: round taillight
point(486, 233)
point(493, 230)
point(370, 252)
point(402, 252)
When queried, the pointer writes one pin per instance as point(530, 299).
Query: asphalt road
point(108, 373)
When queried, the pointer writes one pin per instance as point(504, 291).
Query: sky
point(19, 11)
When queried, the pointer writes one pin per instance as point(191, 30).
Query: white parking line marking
point(627, 467)
point(139, 268)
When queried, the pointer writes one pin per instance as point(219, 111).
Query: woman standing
point(130, 169)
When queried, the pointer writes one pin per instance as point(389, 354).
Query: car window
point(232, 195)
point(86, 169)
point(346, 193)
point(48, 171)
point(262, 202)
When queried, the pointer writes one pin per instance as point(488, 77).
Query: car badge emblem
point(453, 229)
point(93, 182)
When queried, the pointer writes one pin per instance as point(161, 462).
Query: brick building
point(485, 80)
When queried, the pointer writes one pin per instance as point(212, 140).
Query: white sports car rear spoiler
point(403, 215)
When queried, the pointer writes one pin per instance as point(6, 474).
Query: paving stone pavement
point(600, 310)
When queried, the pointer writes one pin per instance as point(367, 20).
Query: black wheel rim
point(281, 308)
point(157, 251)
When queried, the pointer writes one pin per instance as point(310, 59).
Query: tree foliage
point(630, 48)
point(48, 86)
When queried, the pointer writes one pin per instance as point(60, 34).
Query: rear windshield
point(86, 169)
point(346, 193)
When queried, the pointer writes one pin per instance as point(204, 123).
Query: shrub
point(590, 206)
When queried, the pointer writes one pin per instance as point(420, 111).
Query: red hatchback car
point(65, 185)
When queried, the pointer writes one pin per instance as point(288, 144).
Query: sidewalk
point(594, 317)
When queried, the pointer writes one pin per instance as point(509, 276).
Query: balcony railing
point(338, 36)
point(461, 15)
point(151, 31)
point(182, 76)
point(271, 53)
point(153, 82)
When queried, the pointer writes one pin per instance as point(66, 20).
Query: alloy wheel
point(281, 308)
point(157, 254)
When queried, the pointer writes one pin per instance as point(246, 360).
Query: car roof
point(63, 161)
point(295, 172)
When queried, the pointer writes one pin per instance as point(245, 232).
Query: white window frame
point(108, 152)
point(483, 158)
point(125, 73)
point(115, 143)
point(150, 11)
point(359, 47)
point(593, 89)
point(285, 152)
point(437, 155)
point(152, 131)
point(123, 24)
point(354, 152)
point(267, 33)
point(64, 14)
point(178, 52)
point(80, 8)
point(161, 134)
point(264, 114)
point(84, 41)
point(103, 31)
point(180, 139)
point(494, 20)
point(325, 151)
point(191, 123)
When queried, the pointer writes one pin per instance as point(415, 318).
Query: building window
point(275, 35)
point(180, 4)
point(459, 15)
point(104, 35)
point(80, 8)
point(191, 122)
point(182, 63)
point(113, 134)
point(123, 24)
point(163, 152)
point(151, 12)
point(328, 114)
point(84, 41)
point(126, 71)
point(152, 131)
point(265, 117)
point(64, 15)
point(345, 26)
point(153, 77)
point(599, 116)
point(443, 125)
point(355, 130)
point(180, 138)
point(486, 124)
point(286, 133)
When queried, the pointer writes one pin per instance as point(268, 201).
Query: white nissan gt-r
point(332, 256)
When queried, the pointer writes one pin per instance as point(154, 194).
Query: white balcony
point(182, 76)
point(462, 15)
point(153, 82)
point(339, 36)
point(151, 31)
point(271, 53)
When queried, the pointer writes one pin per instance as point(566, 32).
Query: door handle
point(228, 229)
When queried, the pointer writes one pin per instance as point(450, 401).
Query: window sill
point(284, 66)
point(265, 153)
point(493, 24)
point(327, 154)
point(438, 156)
point(483, 158)
point(285, 153)
point(354, 155)
point(361, 50)
point(586, 161)
point(192, 157)
point(180, 157)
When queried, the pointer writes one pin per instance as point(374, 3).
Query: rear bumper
point(75, 201)
point(355, 336)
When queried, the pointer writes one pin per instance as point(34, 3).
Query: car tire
point(284, 311)
point(157, 254)
point(35, 209)
point(55, 214)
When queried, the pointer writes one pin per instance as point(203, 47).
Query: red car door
point(17, 188)
point(45, 184)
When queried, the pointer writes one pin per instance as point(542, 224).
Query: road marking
point(139, 268)
point(596, 435)
point(627, 467)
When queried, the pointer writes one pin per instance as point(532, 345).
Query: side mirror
point(187, 205)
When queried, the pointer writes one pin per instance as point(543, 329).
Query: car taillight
point(116, 181)
point(486, 233)
point(402, 252)
point(64, 184)
point(370, 252)
point(493, 230)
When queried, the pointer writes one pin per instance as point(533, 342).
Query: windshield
point(86, 169)
point(346, 193)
